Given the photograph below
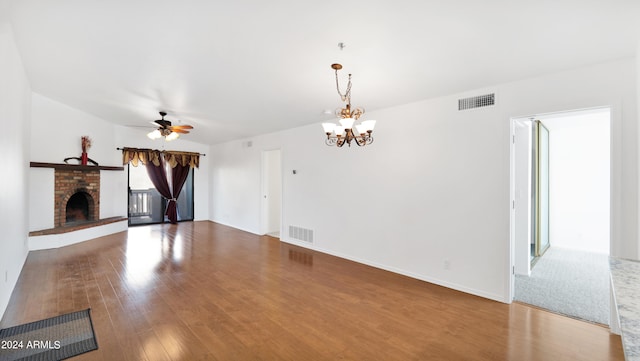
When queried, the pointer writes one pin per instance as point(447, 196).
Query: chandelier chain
point(346, 97)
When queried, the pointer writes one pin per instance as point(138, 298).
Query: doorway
point(271, 192)
point(146, 204)
point(578, 196)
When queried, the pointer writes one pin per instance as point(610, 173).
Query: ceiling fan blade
point(161, 122)
point(181, 131)
point(181, 127)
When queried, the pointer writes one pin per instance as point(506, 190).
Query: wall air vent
point(477, 101)
point(301, 234)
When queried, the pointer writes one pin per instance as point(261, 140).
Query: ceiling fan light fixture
point(155, 134)
point(172, 136)
point(168, 131)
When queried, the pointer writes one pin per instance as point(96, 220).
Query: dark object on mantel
point(66, 160)
point(73, 166)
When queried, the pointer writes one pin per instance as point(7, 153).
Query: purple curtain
point(179, 175)
point(159, 179)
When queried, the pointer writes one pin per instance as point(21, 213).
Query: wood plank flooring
point(203, 291)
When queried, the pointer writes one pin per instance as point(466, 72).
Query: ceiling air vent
point(477, 101)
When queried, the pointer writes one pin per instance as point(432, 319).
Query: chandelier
point(345, 132)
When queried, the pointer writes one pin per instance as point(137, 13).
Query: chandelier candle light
point(346, 132)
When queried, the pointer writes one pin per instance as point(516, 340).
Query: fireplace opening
point(78, 208)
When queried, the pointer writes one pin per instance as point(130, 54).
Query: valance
point(172, 157)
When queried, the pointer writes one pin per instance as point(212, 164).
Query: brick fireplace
point(81, 187)
point(76, 206)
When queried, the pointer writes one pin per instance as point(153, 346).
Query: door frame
point(264, 191)
point(521, 210)
point(615, 151)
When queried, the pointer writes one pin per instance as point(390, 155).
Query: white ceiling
point(235, 69)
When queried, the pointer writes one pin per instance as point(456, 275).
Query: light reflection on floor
point(152, 250)
point(142, 256)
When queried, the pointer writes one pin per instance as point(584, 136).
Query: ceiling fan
point(166, 130)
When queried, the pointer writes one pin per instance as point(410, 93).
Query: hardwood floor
point(203, 291)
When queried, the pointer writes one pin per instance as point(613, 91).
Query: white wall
point(56, 130)
point(579, 180)
point(235, 183)
point(433, 189)
point(41, 198)
point(15, 101)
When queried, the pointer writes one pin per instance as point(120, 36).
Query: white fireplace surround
point(42, 207)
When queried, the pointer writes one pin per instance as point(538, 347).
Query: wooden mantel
point(80, 167)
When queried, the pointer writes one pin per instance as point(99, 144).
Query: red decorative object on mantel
point(84, 157)
point(86, 144)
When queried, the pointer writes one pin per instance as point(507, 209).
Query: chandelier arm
point(351, 136)
point(360, 140)
point(365, 139)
